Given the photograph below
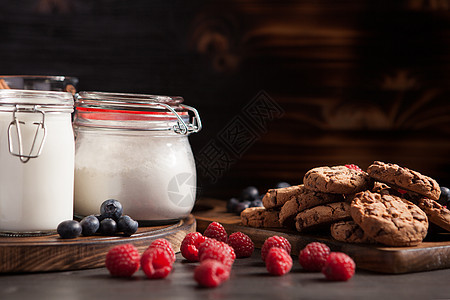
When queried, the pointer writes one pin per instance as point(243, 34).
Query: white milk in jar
point(37, 159)
point(135, 149)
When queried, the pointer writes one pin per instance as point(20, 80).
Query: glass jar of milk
point(135, 149)
point(37, 161)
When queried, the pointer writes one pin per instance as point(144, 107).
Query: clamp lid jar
point(37, 159)
point(134, 148)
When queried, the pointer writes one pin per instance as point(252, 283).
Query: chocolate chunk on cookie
point(388, 219)
point(404, 178)
point(436, 213)
point(378, 187)
point(336, 180)
point(383, 188)
point(260, 217)
point(349, 232)
point(275, 198)
point(304, 200)
point(322, 216)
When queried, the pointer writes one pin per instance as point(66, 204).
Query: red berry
point(156, 263)
point(278, 261)
point(354, 167)
point(211, 273)
point(220, 251)
point(216, 231)
point(401, 191)
point(190, 244)
point(339, 266)
point(275, 241)
point(122, 260)
point(313, 256)
point(163, 244)
point(242, 244)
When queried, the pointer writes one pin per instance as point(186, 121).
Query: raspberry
point(339, 266)
point(278, 261)
point(402, 192)
point(122, 260)
point(242, 244)
point(354, 167)
point(313, 256)
point(220, 251)
point(216, 231)
point(163, 244)
point(275, 241)
point(156, 263)
point(189, 245)
point(211, 273)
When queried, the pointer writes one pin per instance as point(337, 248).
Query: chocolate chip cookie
point(388, 219)
point(322, 216)
point(336, 180)
point(304, 200)
point(404, 178)
point(260, 217)
point(436, 213)
point(277, 197)
point(349, 232)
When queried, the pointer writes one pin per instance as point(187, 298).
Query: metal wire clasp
point(40, 126)
point(181, 127)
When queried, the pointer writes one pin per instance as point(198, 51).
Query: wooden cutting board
point(51, 253)
point(433, 253)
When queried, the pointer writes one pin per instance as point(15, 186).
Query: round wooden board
point(51, 253)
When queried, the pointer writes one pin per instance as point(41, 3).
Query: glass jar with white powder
point(37, 161)
point(135, 149)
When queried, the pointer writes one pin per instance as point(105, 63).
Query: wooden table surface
point(249, 280)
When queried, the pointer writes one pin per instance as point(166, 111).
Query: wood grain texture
point(51, 253)
point(429, 255)
point(356, 84)
point(358, 81)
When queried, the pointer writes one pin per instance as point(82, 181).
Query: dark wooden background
point(351, 81)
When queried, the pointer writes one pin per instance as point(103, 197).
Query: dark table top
point(249, 279)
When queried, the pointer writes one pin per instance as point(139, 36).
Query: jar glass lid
point(135, 112)
point(48, 101)
point(126, 102)
point(39, 82)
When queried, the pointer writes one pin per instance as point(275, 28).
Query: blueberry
point(444, 199)
point(282, 184)
point(69, 229)
point(99, 217)
point(127, 225)
point(231, 204)
point(256, 203)
point(242, 205)
point(90, 225)
point(111, 209)
point(108, 227)
point(249, 193)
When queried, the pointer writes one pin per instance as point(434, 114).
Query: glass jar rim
point(10, 99)
point(118, 100)
point(43, 77)
point(58, 83)
point(135, 112)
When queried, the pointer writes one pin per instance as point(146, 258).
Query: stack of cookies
point(398, 209)
point(269, 214)
point(319, 201)
point(388, 204)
